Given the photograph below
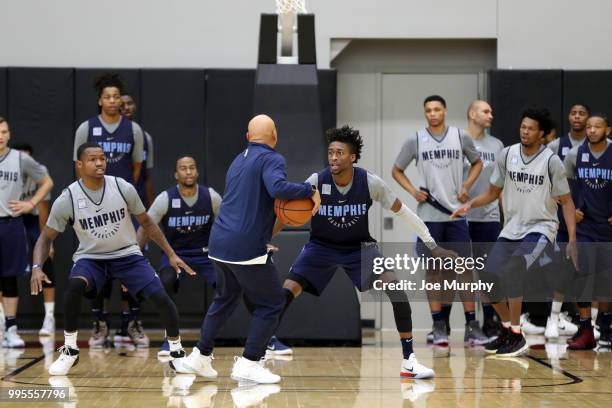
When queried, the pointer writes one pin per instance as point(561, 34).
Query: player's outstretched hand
point(316, 199)
point(440, 252)
point(571, 252)
point(36, 281)
point(461, 211)
point(178, 265)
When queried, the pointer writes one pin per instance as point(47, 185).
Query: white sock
point(70, 339)
point(516, 329)
point(594, 312)
point(1, 309)
point(555, 309)
point(506, 325)
point(175, 345)
point(49, 307)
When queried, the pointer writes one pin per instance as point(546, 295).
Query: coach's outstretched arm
point(41, 253)
point(485, 198)
point(156, 235)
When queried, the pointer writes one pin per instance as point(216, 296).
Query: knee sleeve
point(402, 312)
point(168, 313)
point(9, 287)
point(75, 289)
point(513, 276)
point(169, 280)
point(50, 272)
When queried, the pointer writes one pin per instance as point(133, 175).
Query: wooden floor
point(325, 377)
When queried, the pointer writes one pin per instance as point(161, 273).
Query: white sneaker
point(412, 390)
point(254, 371)
point(12, 339)
point(528, 327)
point(48, 327)
point(596, 334)
point(177, 360)
point(199, 364)
point(67, 359)
point(566, 327)
point(552, 327)
point(411, 368)
point(254, 394)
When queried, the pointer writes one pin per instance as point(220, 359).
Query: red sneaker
point(585, 340)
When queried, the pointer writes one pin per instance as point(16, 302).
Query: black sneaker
point(515, 345)
point(493, 346)
point(492, 328)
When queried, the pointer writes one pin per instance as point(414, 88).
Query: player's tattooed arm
point(156, 235)
point(41, 253)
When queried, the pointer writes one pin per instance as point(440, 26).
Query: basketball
point(293, 213)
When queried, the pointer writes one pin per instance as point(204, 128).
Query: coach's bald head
point(262, 130)
point(480, 113)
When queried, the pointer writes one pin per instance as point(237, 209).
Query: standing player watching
point(34, 223)
point(484, 223)
point(556, 325)
point(186, 212)
point(99, 208)
point(15, 167)
point(122, 141)
point(238, 249)
point(532, 179)
point(440, 153)
point(590, 166)
point(336, 240)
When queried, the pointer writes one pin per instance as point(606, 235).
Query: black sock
point(135, 313)
point(407, 347)
point(125, 320)
point(10, 321)
point(446, 310)
point(98, 313)
point(488, 311)
point(469, 316)
point(437, 316)
point(586, 323)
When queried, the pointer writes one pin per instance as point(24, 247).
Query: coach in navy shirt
point(238, 250)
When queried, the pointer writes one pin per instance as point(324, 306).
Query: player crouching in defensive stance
point(336, 241)
point(99, 208)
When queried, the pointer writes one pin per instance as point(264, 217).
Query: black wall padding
point(229, 107)
point(327, 97)
point(41, 113)
point(591, 87)
point(86, 97)
point(268, 39)
point(334, 316)
point(290, 95)
point(307, 52)
point(3, 93)
point(511, 91)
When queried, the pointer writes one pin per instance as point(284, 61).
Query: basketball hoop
point(287, 11)
point(290, 6)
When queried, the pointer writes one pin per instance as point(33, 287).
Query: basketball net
point(287, 11)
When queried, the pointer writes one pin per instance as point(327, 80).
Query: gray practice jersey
point(83, 131)
point(379, 191)
point(101, 218)
point(29, 190)
point(159, 208)
point(15, 167)
point(148, 155)
point(488, 148)
point(554, 145)
point(530, 184)
point(439, 160)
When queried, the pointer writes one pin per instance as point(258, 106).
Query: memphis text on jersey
point(343, 216)
point(97, 222)
point(10, 176)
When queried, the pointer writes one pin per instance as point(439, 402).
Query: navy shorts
point(200, 264)
point(533, 247)
point(13, 247)
point(454, 235)
point(133, 271)
point(483, 236)
point(317, 265)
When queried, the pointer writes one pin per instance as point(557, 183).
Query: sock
point(488, 311)
point(594, 312)
point(106, 318)
point(555, 308)
point(10, 321)
point(407, 347)
point(446, 310)
point(506, 325)
point(437, 315)
point(70, 339)
point(49, 308)
point(469, 316)
point(586, 323)
point(98, 313)
point(135, 311)
point(1, 308)
point(516, 329)
point(125, 320)
point(604, 325)
point(175, 345)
